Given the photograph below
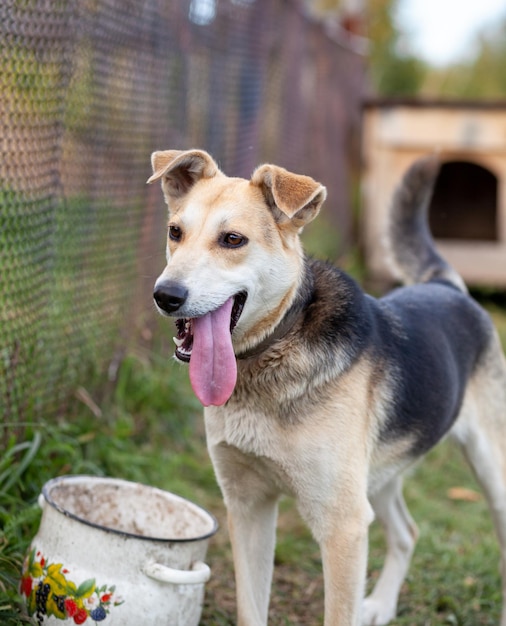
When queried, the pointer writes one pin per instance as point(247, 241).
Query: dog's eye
point(233, 240)
point(175, 233)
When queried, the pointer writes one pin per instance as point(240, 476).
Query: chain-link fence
point(88, 89)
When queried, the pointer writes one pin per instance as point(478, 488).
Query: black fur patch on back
point(430, 337)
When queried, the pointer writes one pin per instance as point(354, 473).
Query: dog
point(313, 388)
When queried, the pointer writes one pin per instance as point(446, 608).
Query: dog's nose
point(170, 295)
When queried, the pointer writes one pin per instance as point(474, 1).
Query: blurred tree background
point(482, 76)
point(396, 71)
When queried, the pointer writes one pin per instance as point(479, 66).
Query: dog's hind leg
point(401, 535)
point(481, 432)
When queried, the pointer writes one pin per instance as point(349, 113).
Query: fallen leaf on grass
point(462, 493)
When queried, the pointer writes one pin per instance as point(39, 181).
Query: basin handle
point(198, 574)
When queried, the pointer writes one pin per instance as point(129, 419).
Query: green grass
point(150, 430)
point(454, 578)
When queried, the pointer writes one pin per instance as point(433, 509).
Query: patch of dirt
point(296, 597)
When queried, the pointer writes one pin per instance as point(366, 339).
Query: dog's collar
point(286, 324)
point(278, 333)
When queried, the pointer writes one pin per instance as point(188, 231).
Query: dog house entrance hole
point(464, 203)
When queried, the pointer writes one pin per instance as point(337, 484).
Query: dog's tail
point(413, 254)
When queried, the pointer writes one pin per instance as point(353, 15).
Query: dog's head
point(234, 259)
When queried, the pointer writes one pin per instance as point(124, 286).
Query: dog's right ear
point(181, 169)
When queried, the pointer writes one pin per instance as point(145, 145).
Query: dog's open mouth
point(184, 337)
point(206, 342)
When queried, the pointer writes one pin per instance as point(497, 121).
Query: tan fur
point(262, 442)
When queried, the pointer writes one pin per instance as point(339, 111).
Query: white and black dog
point(315, 389)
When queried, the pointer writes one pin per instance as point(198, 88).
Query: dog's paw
point(377, 613)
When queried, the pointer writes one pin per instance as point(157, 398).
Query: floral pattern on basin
point(50, 592)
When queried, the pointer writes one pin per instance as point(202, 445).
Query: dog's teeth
point(178, 342)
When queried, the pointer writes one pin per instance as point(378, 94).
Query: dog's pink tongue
point(213, 368)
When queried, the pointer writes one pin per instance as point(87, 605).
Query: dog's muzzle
point(170, 295)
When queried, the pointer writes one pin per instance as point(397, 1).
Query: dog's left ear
point(181, 169)
point(292, 197)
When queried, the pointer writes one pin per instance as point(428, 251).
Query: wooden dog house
point(468, 207)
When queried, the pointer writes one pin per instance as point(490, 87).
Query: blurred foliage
point(481, 76)
point(394, 70)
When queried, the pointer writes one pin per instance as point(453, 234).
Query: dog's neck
point(304, 295)
point(278, 333)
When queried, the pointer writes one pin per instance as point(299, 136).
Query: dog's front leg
point(344, 557)
point(252, 512)
point(253, 532)
point(342, 533)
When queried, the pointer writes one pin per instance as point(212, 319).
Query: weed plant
point(148, 431)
